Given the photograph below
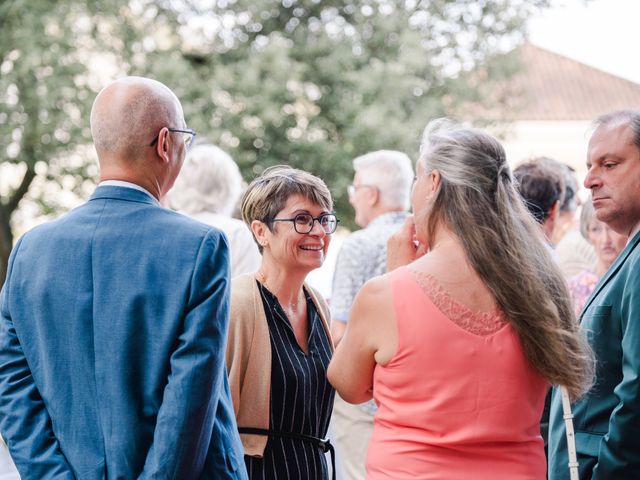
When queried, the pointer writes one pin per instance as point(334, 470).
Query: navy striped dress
point(301, 397)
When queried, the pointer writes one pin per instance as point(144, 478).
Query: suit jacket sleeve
point(185, 421)
point(620, 449)
point(24, 420)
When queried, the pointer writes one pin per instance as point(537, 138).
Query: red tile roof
point(553, 87)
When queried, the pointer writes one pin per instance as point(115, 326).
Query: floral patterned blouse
point(581, 287)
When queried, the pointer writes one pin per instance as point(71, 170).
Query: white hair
point(391, 172)
point(210, 181)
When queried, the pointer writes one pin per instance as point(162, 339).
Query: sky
point(599, 33)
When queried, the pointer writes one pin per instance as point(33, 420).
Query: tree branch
point(21, 191)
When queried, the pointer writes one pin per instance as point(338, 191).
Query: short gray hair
point(630, 116)
point(391, 172)
point(210, 181)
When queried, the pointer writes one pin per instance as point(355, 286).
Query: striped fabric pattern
point(301, 397)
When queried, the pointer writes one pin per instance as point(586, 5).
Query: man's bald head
point(127, 114)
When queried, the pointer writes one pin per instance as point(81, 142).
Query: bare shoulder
point(374, 295)
point(373, 317)
point(376, 286)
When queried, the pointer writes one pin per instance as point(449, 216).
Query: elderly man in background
point(607, 419)
point(208, 189)
point(113, 318)
point(380, 197)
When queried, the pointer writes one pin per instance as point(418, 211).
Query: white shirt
point(7, 468)
point(122, 183)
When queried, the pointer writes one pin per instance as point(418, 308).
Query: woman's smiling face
point(298, 250)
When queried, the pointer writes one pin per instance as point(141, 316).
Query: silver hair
point(391, 172)
point(210, 181)
point(478, 201)
point(630, 116)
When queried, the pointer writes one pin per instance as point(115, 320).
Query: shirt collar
point(122, 183)
point(388, 218)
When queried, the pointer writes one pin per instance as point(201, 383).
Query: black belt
point(324, 445)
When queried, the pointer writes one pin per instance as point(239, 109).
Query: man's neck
point(125, 184)
point(122, 176)
point(633, 232)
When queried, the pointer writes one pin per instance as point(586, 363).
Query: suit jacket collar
point(613, 270)
point(122, 193)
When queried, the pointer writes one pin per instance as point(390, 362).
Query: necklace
point(291, 308)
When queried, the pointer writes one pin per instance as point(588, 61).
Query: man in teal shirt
point(607, 418)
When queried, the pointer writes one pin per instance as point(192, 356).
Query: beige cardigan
point(249, 358)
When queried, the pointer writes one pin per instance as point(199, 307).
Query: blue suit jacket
point(607, 419)
point(112, 340)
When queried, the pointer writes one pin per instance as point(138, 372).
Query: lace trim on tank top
point(478, 323)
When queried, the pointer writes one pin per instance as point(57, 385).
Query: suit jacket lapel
point(612, 272)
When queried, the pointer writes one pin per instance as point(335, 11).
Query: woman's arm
point(370, 339)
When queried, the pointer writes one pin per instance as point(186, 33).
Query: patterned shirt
point(581, 287)
point(363, 256)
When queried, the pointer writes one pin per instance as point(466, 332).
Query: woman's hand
point(402, 246)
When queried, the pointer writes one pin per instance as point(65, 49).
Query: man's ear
point(549, 224)
point(553, 211)
point(373, 197)
point(164, 144)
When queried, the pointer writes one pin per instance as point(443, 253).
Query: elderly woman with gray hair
point(208, 189)
point(607, 244)
point(279, 344)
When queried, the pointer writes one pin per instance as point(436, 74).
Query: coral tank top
point(458, 400)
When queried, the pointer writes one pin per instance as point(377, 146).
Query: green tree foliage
point(314, 83)
point(308, 83)
point(53, 56)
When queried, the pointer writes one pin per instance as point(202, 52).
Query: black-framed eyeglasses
point(303, 222)
point(187, 134)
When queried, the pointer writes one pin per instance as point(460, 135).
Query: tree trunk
point(6, 210)
point(6, 242)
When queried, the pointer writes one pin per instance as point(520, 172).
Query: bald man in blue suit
point(113, 318)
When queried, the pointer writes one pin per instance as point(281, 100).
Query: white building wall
point(564, 141)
